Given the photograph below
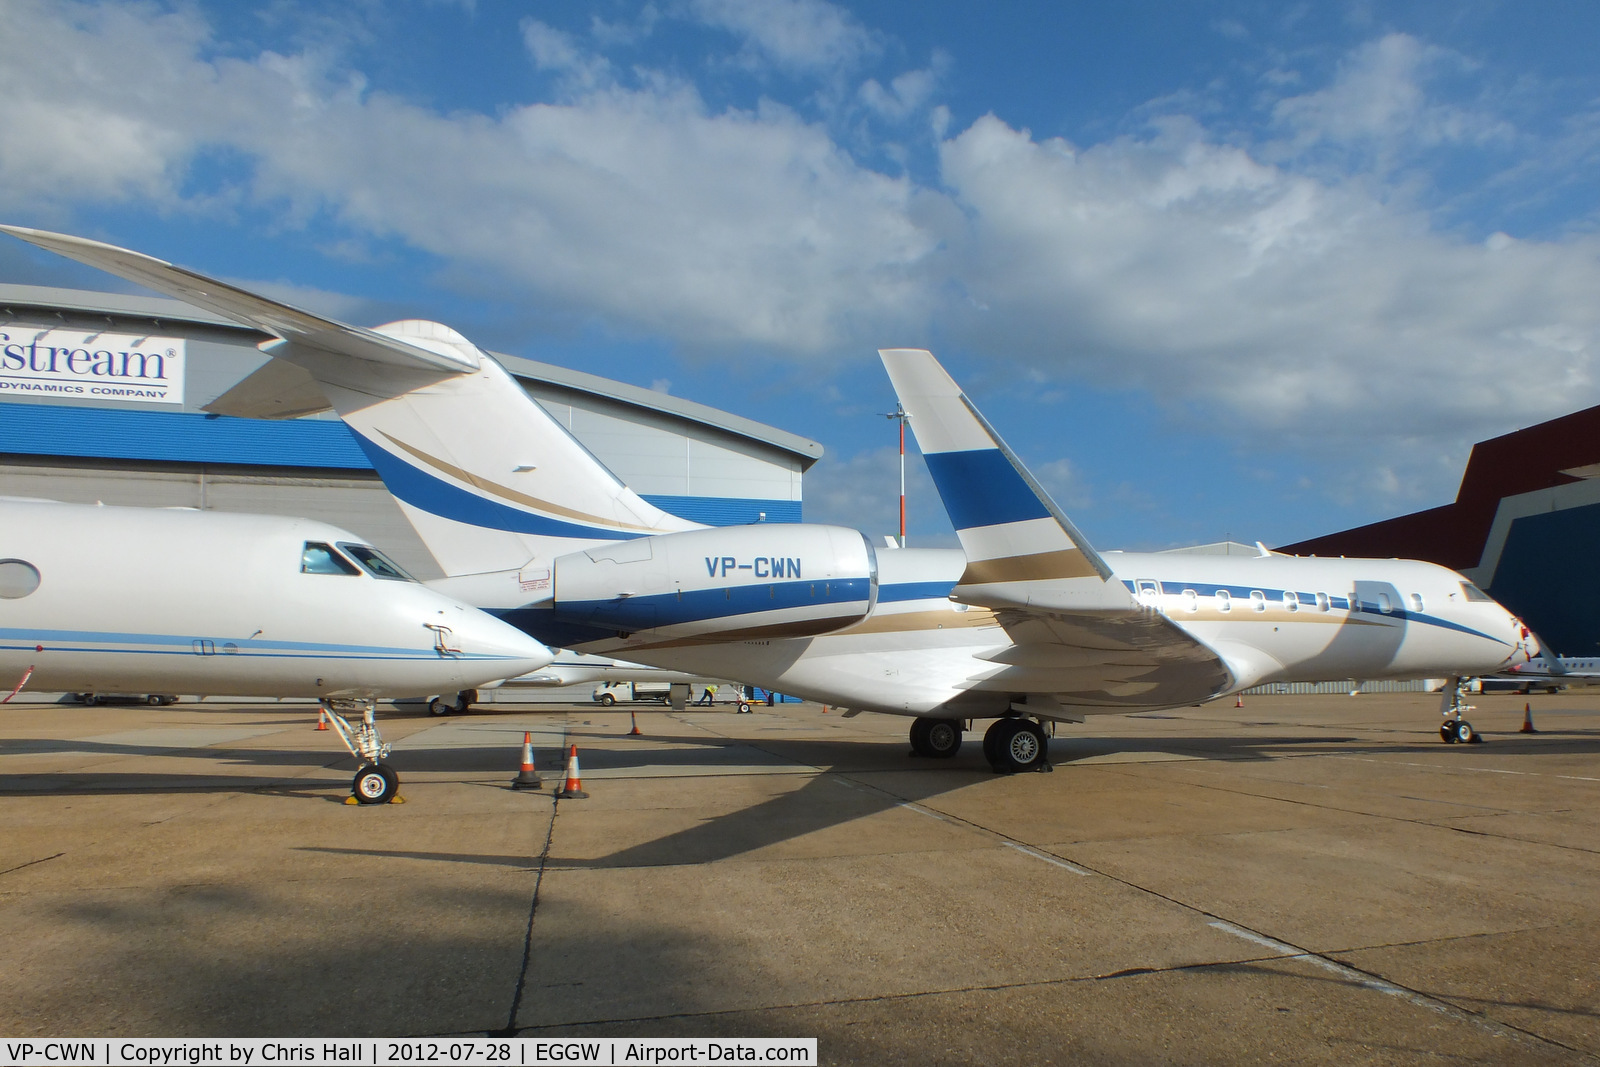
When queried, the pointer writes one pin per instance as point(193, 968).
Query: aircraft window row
point(18, 578)
point(376, 563)
point(1258, 600)
point(320, 558)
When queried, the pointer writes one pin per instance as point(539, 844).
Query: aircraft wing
point(1078, 632)
point(1103, 661)
point(269, 316)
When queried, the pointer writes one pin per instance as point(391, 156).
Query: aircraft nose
point(501, 648)
point(1526, 645)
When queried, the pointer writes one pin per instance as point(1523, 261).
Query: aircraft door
point(1147, 591)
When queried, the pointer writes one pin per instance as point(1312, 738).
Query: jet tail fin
point(1022, 550)
point(488, 479)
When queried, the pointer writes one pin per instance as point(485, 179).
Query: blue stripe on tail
point(981, 488)
point(438, 497)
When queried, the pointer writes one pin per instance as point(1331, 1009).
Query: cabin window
point(1224, 600)
point(1384, 604)
point(1416, 603)
point(1191, 600)
point(1291, 601)
point(318, 558)
point(376, 563)
point(18, 578)
point(1473, 592)
point(1258, 600)
point(1323, 603)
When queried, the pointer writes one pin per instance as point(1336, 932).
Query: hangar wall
point(71, 434)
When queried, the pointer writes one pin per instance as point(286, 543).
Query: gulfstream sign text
point(39, 363)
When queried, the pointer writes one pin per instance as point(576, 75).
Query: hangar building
point(1524, 525)
point(101, 397)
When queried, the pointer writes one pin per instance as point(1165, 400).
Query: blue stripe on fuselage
point(1274, 598)
point(699, 605)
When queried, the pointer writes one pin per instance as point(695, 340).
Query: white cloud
point(863, 492)
point(1378, 105)
point(1278, 304)
point(797, 35)
point(557, 51)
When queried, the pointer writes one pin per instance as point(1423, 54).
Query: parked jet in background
point(112, 599)
point(1028, 625)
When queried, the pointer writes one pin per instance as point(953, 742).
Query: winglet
point(1021, 548)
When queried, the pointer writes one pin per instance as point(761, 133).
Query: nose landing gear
point(375, 782)
point(1455, 728)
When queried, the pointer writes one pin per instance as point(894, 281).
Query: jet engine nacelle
point(766, 580)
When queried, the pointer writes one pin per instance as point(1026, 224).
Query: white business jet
point(1034, 628)
point(115, 599)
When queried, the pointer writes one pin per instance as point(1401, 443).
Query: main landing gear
point(936, 738)
point(461, 705)
point(1456, 729)
point(375, 782)
point(1014, 744)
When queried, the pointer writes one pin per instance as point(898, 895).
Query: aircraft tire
point(1465, 734)
point(935, 738)
point(437, 707)
point(1447, 733)
point(375, 783)
point(1019, 745)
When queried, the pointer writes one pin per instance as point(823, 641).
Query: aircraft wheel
point(935, 738)
point(606, 700)
point(1465, 734)
point(375, 783)
point(438, 707)
point(1447, 733)
point(1019, 745)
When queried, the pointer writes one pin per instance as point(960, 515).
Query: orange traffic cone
point(573, 790)
point(527, 777)
point(1238, 701)
point(1527, 720)
point(635, 732)
point(322, 718)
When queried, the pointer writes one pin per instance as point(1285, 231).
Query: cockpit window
point(1473, 592)
point(376, 563)
point(319, 558)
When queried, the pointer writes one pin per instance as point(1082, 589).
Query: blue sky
point(1216, 270)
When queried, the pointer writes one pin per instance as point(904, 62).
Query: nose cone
point(1526, 645)
point(495, 649)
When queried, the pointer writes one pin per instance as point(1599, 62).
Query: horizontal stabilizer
point(276, 390)
point(247, 308)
